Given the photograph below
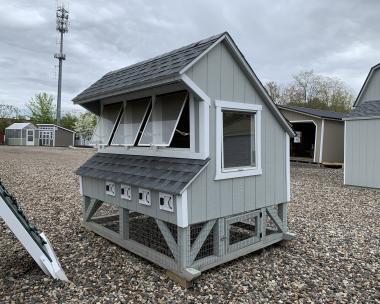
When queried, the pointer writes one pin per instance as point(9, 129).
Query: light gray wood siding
point(294, 117)
point(221, 78)
point(333, 142)
point(95, 188)
point(372, 89)
point(362, 153)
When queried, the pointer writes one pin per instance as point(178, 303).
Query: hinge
point(261, 214)
point(261, 235)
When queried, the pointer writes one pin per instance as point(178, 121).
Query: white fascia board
point(197, 90)
point(366, 81)
point(260, 86)
point(192, 63)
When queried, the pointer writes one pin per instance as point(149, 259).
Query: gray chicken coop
point(192, 169)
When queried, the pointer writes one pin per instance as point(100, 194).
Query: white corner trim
point(182, 210)
point(321, 141)
point(197, 90)
point(287, 162)
point(344, 153)
point(238, 172)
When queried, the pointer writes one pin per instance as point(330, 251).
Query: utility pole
point(62, 27)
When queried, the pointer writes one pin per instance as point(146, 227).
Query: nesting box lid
point(170, 175)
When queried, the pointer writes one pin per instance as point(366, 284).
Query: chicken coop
point(192, 168)
point(21, 134)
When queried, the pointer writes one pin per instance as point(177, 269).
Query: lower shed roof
point(171, 175)
point(365, 110)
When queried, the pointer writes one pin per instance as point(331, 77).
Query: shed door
point(29, 137)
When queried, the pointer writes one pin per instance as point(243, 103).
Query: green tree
point(68, 121)
point(42, 108)
point(85, 126)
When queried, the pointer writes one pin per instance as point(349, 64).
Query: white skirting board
point(47, 260)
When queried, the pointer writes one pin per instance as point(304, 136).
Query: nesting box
point(193, 159)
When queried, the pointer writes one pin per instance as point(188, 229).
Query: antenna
point(62, 26)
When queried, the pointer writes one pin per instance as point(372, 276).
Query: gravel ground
point(335, 257)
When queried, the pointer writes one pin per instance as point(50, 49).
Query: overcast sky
point(279, 38)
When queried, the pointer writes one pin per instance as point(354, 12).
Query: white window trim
point(242, 107)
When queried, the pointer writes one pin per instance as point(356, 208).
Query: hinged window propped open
point(163, 119)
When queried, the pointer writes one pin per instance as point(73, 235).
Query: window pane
point(238, 139)
point(105, 123)
point(131, 121)
point(163, 119)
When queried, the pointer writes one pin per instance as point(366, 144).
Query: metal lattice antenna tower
point(62, 27)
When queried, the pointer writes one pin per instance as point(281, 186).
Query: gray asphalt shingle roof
point(170, 175)
point(160, 67)
point(366, 109)
point(316, 112)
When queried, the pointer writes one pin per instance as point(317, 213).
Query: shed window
point(106, 123)
point(163, 119)
point(238, 139)
point(131, 121)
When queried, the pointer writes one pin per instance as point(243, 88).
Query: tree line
point(308, 89)
point(41, 110)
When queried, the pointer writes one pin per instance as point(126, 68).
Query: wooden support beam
point(201, 238)
point(91, 209)
point(170, 241)
point(124, 223)
point(276, 219)
point(283, 214)
point(220, 237)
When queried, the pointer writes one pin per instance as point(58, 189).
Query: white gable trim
point(366, 81)
point(251, 75)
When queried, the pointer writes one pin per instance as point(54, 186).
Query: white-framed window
point(238, 139)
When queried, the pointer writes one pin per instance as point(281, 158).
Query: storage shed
point(193, 161)
point(319, 135)
point(55, 136)
point(21, 134)
point(362, 135)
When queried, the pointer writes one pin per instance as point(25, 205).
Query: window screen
point(131, 122)
point(106, 122)
point(238, 139)
point(163, 119)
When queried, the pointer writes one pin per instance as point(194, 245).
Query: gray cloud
point(279, 38)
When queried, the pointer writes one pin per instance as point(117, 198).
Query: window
point(131, 121)
point(106, 123)
point(163, 119)
point(238, 139)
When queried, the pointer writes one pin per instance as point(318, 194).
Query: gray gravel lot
point(335, 257)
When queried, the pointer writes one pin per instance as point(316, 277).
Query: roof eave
point(308, 114)
point(142, 86)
